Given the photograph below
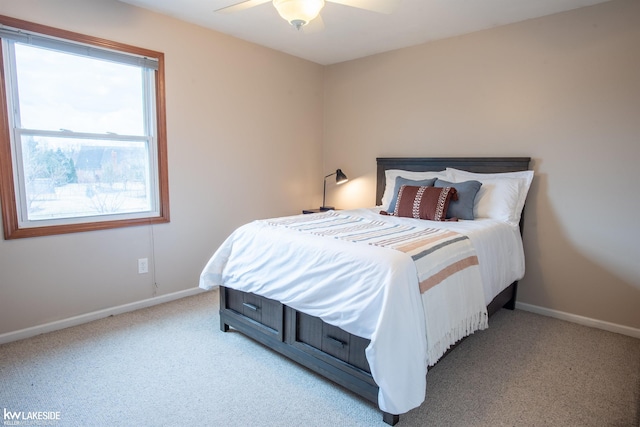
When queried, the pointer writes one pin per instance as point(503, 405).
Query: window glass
point(67, 178)
point(65, 91)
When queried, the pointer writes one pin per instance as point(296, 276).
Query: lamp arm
point(324, 191)
point(324, 188)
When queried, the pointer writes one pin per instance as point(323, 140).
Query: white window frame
point(12, 182)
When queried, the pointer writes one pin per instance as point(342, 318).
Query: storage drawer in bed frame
point(266, 315)
point(319, 339)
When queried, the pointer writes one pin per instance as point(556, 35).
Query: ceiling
point(351, 33)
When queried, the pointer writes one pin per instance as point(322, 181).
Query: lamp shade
point(341, 178)
point(298, 12)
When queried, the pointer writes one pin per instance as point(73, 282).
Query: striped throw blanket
point(453, 310)
point(437, 254)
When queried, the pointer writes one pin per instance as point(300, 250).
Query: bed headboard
point(471, 164)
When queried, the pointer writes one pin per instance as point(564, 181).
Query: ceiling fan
point(300, 12)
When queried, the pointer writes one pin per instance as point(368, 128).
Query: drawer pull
point(251, 306)
point(336, 341)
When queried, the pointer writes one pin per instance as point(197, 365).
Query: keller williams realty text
point(31, 416)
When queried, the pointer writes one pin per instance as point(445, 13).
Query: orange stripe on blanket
point(446, 272)
point(408, 247)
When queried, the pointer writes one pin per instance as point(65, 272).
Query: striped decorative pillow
point(424, 202)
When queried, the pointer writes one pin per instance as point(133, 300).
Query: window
point(82, 133)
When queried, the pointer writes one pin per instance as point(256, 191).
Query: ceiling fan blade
point(241, 6)
point(380, 6)
point(314, 26)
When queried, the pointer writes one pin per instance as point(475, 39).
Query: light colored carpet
point(170, 365)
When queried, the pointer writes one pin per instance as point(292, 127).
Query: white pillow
point(525, 175)
point(392, 174)
point(501, 196)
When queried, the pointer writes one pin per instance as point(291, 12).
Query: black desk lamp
point(341, 178)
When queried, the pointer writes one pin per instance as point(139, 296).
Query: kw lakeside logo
point(30, 418)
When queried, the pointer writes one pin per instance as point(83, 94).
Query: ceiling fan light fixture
point(298, 12)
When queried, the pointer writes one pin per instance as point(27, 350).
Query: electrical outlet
point(143, 265)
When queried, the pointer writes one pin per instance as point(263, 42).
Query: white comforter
point(366, 290)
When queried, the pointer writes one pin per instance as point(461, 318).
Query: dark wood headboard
point(471, 164)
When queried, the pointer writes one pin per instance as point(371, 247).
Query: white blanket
point(367, 290)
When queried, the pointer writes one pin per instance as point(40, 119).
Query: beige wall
point(244, 139)
point(563, 89)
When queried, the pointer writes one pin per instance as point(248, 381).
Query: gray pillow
point(463, 207)
point(404, 181)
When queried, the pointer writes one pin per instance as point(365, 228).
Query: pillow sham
point(466, 191)
point(509, 209)
point(498, 199)
point(424, 202)
point(526, 175)
point(502, 195)
point(400, 181)
point(392, 174)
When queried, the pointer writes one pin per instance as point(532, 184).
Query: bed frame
point(326, 349)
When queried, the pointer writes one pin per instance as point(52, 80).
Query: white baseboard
point(581, 320)
point(95, 315)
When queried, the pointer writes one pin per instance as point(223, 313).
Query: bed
point(338, 291)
